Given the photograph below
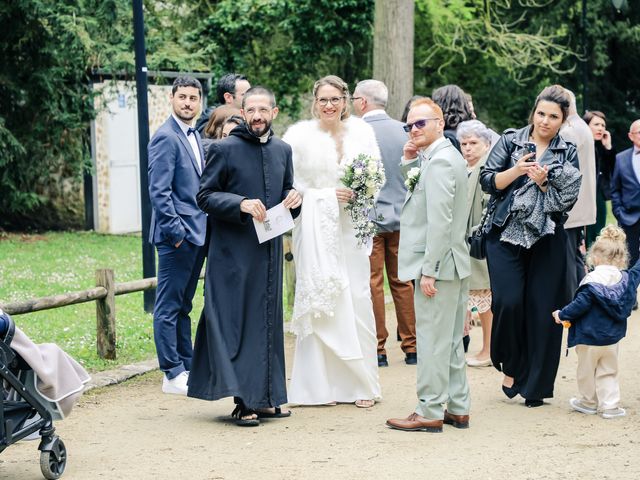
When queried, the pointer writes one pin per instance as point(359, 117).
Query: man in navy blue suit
point(625, 192)
point(178, 230)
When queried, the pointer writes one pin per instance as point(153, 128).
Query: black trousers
point(633, 241)
point(575, 260)
point(527, 286)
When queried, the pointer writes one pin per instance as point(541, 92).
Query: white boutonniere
point(413, 177)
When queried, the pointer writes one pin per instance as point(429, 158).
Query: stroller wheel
point(52, 462)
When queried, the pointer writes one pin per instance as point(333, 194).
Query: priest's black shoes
point(382, 360)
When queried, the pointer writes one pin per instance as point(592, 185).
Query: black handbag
point(478, 239)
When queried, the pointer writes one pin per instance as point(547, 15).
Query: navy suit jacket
point(174, 181)
point(625, 190)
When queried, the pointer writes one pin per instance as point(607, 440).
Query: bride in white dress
point(335, 357)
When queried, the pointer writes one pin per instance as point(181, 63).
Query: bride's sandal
point(365, 403)
point(245, 417)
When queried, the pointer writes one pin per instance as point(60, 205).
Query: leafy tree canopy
point(504, 52)
point(501, 51)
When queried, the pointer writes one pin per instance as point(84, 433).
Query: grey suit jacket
point(433, 223)
point(391, 139)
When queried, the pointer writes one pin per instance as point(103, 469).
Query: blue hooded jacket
point(599, 313)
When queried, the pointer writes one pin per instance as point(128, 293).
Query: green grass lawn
point(34, 266)
point(42, 265)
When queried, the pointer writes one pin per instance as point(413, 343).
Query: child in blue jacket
point(598, 316)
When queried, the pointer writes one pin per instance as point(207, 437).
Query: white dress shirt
point(192, 141)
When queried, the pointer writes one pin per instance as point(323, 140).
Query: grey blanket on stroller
point(60, 379)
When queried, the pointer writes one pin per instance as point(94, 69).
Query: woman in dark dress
point(526, 253)
point(605, 161)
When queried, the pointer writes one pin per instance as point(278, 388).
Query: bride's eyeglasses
point(333, 100)
point(418, 124)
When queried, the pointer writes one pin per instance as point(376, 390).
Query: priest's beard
point(259, 128)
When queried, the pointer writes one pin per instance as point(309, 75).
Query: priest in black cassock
point(239, 345)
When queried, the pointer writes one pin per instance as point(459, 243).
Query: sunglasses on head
point(418, 124)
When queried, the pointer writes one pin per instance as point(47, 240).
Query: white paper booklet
point(278, 221)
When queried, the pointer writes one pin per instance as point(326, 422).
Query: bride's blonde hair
point(610, 248)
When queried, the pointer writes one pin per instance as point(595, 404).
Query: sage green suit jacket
point(433, 223)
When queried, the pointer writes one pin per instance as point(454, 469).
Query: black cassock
point(239, 345)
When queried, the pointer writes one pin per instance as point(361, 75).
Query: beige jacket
point(576, 131)
point(477, 202)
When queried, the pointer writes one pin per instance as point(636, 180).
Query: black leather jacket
point(505, 154)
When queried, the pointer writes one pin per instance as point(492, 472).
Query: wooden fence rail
point(103, 294)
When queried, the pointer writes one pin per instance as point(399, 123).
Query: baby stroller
point(25, 412)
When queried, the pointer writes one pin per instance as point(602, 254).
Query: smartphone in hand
point(530, 147)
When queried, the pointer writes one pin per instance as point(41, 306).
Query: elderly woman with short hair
point(475, 142)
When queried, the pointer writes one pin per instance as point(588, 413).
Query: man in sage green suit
point(434, 253)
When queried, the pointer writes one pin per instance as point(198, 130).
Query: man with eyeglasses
point(434, 253)
point(625, 193)
point(369, 101)
point(239, 345)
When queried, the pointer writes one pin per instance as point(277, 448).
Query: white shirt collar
point(427, 151)
point(371, 113)
point(183, 126)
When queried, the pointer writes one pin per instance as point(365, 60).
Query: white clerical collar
point(183, 126)
point(264, 138)
point(371, 113)
point(427, 151)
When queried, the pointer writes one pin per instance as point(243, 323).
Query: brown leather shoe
point(415, 423)
point(458, 421)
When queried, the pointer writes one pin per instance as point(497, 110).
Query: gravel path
point(133, 431)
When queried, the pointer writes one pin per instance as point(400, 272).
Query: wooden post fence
point(106, 316)
point(104, 295)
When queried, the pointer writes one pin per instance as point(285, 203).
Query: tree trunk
point(393, 51)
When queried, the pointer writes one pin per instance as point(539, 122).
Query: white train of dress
point(335, 356)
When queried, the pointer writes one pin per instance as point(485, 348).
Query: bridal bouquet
point(365, 176)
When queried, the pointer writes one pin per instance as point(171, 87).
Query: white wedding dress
point(335, 356)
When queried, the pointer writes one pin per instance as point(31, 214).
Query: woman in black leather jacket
point(526, 251)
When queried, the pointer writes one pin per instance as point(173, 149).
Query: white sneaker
point(614, 413)
point(578, 406)
point(474, 362)
point(177, 385)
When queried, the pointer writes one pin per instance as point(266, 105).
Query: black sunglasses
point(418, 124)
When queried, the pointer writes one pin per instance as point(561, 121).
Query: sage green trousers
point(442, 376)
